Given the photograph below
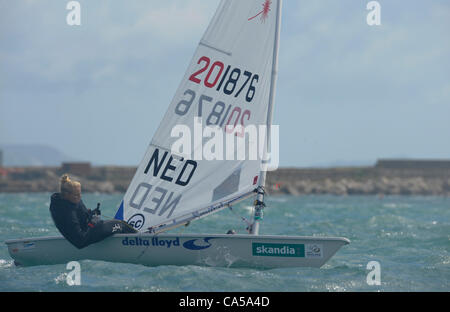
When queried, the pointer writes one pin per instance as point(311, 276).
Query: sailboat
point(229, 84)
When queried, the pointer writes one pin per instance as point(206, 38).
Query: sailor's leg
point(117, 227)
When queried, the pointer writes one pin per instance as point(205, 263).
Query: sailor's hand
point(97, 210)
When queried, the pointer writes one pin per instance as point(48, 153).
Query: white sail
point(228, 83)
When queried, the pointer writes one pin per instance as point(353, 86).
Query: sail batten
point(226, 90)
point(214, 48)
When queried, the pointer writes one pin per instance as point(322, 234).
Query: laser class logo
point(314, 251)
point(265, 11)
point(137, 221)
point(198, 244)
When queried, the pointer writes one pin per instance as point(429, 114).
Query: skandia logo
point(278, 250)
point(155, 241)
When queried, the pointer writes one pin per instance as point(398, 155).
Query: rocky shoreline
point(293, 181)
point(360, 181)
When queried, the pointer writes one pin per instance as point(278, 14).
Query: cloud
point(337, 51)
point(177, 22)
point(38, 44)
point(342, 84)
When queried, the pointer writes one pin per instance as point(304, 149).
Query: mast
point(259, 204)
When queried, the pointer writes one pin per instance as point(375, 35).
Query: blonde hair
point(67, 186)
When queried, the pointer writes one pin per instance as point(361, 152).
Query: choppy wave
point(6, 263)
point(408, 236)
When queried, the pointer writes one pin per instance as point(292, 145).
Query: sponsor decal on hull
point(278, 250)
point(314, 251)
point(137, 221)
point(26, 246)
point(155, 241)
point(198, 244)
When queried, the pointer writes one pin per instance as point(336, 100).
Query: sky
point(347, 92)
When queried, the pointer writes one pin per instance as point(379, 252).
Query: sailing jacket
point(73, 222)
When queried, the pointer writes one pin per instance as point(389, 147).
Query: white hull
point(252, 251)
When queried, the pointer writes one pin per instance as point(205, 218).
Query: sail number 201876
point(230, 82)
point(220, 115)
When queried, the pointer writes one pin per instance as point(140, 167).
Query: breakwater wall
point(377, 180)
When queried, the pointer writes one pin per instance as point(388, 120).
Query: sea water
point(408, 236)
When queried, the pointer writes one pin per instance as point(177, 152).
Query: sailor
point(79, 225)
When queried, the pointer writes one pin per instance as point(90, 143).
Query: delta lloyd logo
point(256, 143)
point(155, 242)
point(198, 244)
point(193, 244)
